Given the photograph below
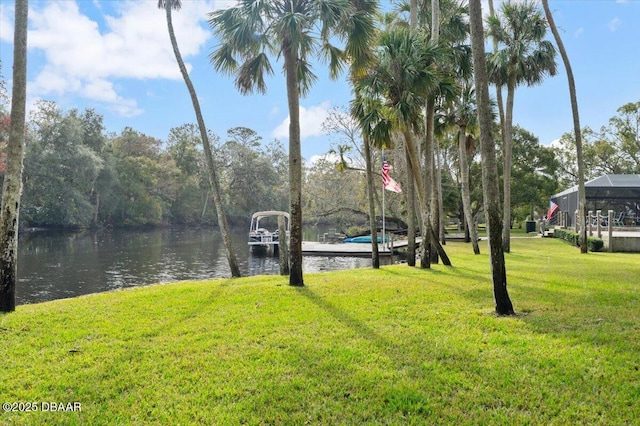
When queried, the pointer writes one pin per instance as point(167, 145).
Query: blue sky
point(115, 56)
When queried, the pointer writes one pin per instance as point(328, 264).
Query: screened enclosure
point(620, 193)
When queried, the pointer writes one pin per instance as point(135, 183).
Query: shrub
point(593, 243)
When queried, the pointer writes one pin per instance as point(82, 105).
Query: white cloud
point(555, 143)
point(85, 56)
point(6, 22)
point(578, 32)
point(614, 24)
point(332, 158)
point(311, 120)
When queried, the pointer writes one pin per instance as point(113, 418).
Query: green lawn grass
point(395, 346)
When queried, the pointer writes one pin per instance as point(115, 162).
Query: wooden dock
point(311, 248)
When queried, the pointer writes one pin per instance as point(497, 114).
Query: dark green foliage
point(77, 176)
point(593, 243)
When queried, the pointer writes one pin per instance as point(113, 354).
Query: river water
point(56, 265)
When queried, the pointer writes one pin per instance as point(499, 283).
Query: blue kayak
point(362, 239)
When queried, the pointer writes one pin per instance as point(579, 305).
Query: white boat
point(263, 232)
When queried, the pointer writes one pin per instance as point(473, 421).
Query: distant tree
point(525, 57)
point(61, 171)
point(624, 129)
point(489, 163)
point(534, 175)
point(295, 30)
point(138, 170)
point(185, 148)
point(12, 185)
point(168, 6)
point(248, 174)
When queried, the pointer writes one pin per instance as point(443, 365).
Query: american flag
point(552, 209)
point(387, 182)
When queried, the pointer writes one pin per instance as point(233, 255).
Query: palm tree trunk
point(410, 200)
point(373, 223)
point(295, 166)
point(507, 160)
point(466, 193)
point(428, 233)
point(576, 126)
point(12, 185)
point(438, 188)
point(499, 99)
point(213, 178)
point(490, 185)
point(414, 170)
point(429, 187)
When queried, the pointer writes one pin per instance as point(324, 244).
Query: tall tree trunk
point(582, 201)
point(507, 160)
point(373, 223)
point(466, 193)
point(427, 230)
point(295, 166)
point(213, 178)
point(12, 186)
point(438, 179)
point(503, 135)
point(490, 185)
point(429, 181)
point(430, 145)
point(498, 86)
point(410, 201)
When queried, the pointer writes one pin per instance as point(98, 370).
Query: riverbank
point(394, 346)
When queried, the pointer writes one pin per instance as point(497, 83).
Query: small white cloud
point(311, 120)
point(614, 24)
point(579, 32)
point(329, 157)
point(274, 111)
point(555, 143)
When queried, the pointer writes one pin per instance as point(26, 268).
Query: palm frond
point(335, 58)
point(306, 77)
point(251, 75)
point(172, 4)
point(223, 59)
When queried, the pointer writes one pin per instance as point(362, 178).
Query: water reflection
point(55, 265)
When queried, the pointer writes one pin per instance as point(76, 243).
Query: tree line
point(78, 175)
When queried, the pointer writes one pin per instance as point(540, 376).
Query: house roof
point(606, 181)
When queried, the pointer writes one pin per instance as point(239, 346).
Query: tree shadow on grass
point(343, 317)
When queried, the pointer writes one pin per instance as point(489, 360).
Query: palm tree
point(363, 25)
point(499, 99)
point(576, 125)
point(168, 6)
point(12, 186)
point(447, 27)
point(490, 185)
point(402, 75)
point(463, 113)
point(525, 58)
point(295, 30)
point(375, 127)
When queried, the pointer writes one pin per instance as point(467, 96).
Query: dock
point(311, 248)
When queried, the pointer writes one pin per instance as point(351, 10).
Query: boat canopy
point(268, 213)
